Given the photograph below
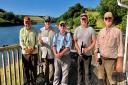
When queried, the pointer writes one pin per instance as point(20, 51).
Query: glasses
point(62, 25)
point(108, 18)
point(83, 19)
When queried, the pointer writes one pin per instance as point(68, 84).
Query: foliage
point(71, 16)
point(111, 5)
point(8, 18)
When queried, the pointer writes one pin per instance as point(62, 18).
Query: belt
point(108, 58)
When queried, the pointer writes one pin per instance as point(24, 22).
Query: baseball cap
point(83, 14)
point(108, 14)
point(47, 18)
point(62, 22)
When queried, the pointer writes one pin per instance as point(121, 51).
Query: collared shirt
point(47, 42)
point(62, 40)
point(110, 43)
point(28, 39)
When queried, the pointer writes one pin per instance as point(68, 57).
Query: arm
point(120, 53)
point(76, 43)
point(93, 41)
point(22, 44)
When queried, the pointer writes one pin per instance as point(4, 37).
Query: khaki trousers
point(105, 70)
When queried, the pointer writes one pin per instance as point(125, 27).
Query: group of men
point(56, 45)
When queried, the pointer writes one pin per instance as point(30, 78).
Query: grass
point(36, 19)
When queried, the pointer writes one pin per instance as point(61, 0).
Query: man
point(45, 40)
point(109, 43)
point(61, 47)
point(84, 36)
point(28, 43)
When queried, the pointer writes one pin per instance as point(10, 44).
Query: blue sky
point(52, 8)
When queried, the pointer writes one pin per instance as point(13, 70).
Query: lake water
point(10, 35)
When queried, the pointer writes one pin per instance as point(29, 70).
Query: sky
point(53, 8)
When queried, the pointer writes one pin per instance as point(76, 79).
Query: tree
point(111, 5)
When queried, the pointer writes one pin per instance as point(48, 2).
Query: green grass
point(36, 19)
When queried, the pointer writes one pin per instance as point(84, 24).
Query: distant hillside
point(36, 19)
point(10, 19)
point(72, 16)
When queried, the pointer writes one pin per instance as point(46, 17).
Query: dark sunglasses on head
point(108, 18)
point(62, 25)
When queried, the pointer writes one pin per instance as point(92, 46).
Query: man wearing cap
point(109, 42)
point(62, 42)
point(45, 41)
point(28, 43)
point(84, 36)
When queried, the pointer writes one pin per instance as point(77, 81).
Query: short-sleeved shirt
point(84, 35)
point(62, 40)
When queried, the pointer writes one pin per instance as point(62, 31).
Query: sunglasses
point(62, 25)
point(108, 18)
point(83, 19)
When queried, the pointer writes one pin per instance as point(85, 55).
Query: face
point(83, 20)
point(47, 24)
point(62, 27)
point(27, 24)
point(108, 21)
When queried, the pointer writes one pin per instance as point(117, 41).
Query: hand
point(85, 50)
point(96, 58)
point(58, 55)
point(119, 65)
point(29, 50)
point(40, 40)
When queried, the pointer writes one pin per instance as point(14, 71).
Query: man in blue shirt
point(62, 42)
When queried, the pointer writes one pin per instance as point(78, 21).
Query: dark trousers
point(29, 68)
point(48, 69)
point(84, 67)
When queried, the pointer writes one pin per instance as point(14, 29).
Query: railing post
point(4, 69)
point(18, 66)
point(9, 64)
point(13, 58)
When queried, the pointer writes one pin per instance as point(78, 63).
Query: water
point(10, 35)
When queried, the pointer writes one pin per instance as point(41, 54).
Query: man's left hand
point(119, 64)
